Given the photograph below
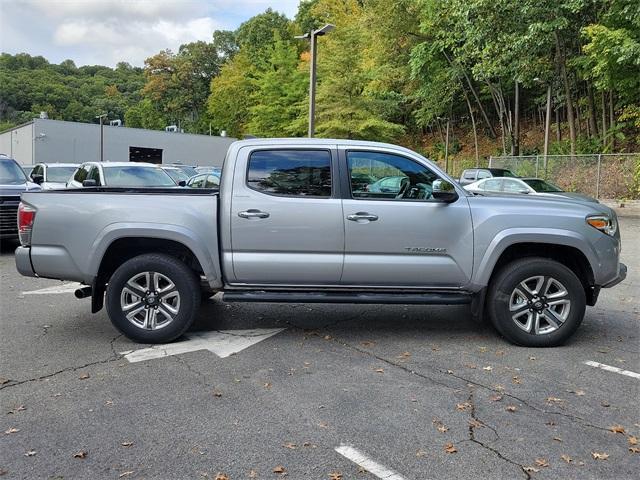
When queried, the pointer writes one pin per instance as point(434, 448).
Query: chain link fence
point(610, 176)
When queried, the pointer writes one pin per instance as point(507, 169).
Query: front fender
point(205, 250)
point(487, 259)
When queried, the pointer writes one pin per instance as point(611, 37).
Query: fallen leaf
point(605, 404)
point(450, 372)
point(327, 337)
point(495, 398)
point(84, 376)
point(278, 469)
point(19, 408)
point(420, 453)
point(435, 349)
point(511, 408)
point(463, 406)
point(634, 449)
point(379, 370)
point(557, 439)
point(267, 385)
point(290, 445)
point(617, 429)
point(531, 469)
point(3, 472)
point(441, 428)
point(217, 393)
point(532, 358)
point(221, 476)
point(404, 355)
point(126, 444)
point(11, 430)
point(362, 470)
point(542, 462)
point(80, 454)
point(475, 423)
point(470, 365)
point(482, 349)
point(335, 476)
point(367, 343)
point(126, 474)
point(450, 448)
point(579, 393)
point(551, 400)
point(599, 455)
point(516, 379)
point(632, 440)
point(4, 380)
point(566, 458)
point(498, 387)
point(253, 474)
point(323, 425)
point(30, 453)
point(488, 368)
point(108, 403)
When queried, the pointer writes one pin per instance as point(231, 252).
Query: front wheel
point(536, 302)
point(153, 298)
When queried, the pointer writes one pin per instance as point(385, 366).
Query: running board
point(436, 298)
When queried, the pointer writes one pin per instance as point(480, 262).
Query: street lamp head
point(302, 37)
point(324, 30)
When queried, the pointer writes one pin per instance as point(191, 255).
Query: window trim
point(334, 188)
point(347, 177)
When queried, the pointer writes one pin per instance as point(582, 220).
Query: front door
point(286, 218)
point(396, 233)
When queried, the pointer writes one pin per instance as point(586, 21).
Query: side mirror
point(182, 183)
point(89, 183)
point(38, 179)
point(444, 191)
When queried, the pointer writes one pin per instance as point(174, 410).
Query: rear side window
point(469, 175)
point(483, 174)
point(292, 173)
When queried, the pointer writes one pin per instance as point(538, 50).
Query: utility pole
point(101, 117)
point(312, 37)
point(446, 150)
point(547, 129)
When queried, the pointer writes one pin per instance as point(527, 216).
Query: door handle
point(253, 213)
point(362, 216)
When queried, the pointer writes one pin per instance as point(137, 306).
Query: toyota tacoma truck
point(318, 220)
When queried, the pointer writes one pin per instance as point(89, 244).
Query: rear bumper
point(23, 262)
point(622, 274)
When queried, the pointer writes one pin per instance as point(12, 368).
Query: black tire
point(504, 285)
point(186, 284)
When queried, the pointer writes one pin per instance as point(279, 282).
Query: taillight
point(26, 216)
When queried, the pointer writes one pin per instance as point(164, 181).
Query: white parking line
point(368, 464)
point(221, 342)
point(609, 368)
point(64, 288)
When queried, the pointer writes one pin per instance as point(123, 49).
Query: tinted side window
point(483, 174)
point(94, 174)
point(38, 170)
point(294, 173)
point(81, 174)
point(512, 186)
point(492, 185)
point(390, 177)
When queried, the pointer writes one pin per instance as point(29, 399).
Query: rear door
point(286, 217)
point(406, 239)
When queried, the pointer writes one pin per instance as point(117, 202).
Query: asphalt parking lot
point(315, 392)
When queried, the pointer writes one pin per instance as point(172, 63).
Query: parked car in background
point(52, 175)
point(188, 169)
point(204, 180)
point(13, 182)
point(120, 174)
point(473, 174)
point(533, 186)
point(177, 174)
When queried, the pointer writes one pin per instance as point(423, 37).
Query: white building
point(56, 141)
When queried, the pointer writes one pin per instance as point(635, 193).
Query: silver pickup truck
point(316, 220)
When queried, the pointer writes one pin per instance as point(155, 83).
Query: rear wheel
point(536, 302)
point(153, 298)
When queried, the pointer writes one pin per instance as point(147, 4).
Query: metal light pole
point(104, 115)
point(312, 37)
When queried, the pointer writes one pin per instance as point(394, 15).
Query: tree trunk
point(612, 122)
point(558, 130)
point(567, 91)
point(515, 137)
point(603, 106)
point(593, 124)
point(473, 123)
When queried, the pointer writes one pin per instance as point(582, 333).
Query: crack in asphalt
point(472, 436)
point(114, 357)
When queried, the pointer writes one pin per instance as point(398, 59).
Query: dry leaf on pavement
point(267, 385)
point(542, 462)
point(379, 370)
point(531, 469)
point(367, 343)
point(290, 445)
point(495, 398)
point(617, 429)
point(278, 469)
point(511, 408)
point(80, 454)
point(221, 476)
point(634, 449)
point(442, 428)
point(253, 474)
point(632, 440)
point(125, 474)
point(126, 444)
point(516, 379)
point(217, 393)
point(84, 376)
point(11, 430)
point(450, 448)
point(488, 368)
point(463, 406)
point(551, 400)
point(19, 408)
point(420, 453)
point(566, 458)
point(599, 455)
point(30, 453)
point(335, 476)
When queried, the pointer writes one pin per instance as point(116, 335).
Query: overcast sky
point(104, 32)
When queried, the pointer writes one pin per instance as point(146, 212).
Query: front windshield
point(11, 173)
point(137, 176)
point(59, 174)
point(542, 186)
